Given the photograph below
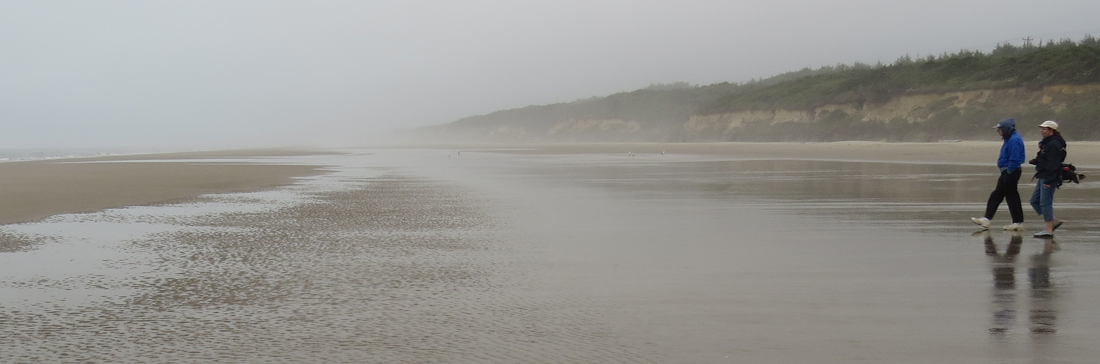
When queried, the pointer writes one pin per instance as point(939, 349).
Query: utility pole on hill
point(1027, 41)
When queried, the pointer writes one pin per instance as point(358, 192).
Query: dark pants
point(1006, 191)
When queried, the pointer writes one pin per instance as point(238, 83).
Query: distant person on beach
point(1011, 157)
point(1048, 170)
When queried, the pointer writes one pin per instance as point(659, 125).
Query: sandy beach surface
point(614, 253)
point(37, 189)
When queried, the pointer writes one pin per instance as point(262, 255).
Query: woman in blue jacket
point(1048, 170)
point(1011, 157)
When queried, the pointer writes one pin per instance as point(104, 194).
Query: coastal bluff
point(914, 111)
point(911, 116)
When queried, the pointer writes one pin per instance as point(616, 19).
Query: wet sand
point(37, 189)
point(967, 152)
point(804, 260)
point(514, 256)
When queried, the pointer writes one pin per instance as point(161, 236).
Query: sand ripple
point(378, 270)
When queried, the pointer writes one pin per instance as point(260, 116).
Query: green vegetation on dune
point(1065, 62)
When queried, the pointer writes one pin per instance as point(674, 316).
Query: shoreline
point(37, 189)
point(1084, 154)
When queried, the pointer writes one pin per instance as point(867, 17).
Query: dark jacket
point(1048, 163)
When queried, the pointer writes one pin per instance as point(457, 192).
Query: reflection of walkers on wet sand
point(1043, 314)
point(1008, 162)
point(1004, 282)
point(1048, 172)
point(1042, 311)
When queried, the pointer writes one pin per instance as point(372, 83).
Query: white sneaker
point(984, 222)
point(1016, 226)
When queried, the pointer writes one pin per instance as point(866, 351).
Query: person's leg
point(995, 198)
point(1012, 196)
point(1035, 198)
point(1046, 203)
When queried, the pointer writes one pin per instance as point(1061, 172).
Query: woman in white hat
point(1048, 170)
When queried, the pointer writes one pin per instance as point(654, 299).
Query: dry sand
point(34, 190)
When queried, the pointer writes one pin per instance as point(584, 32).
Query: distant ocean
point(30, 154)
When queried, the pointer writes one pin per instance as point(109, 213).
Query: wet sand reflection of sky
point(415, 256)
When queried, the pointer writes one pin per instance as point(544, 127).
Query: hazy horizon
point(208, 74)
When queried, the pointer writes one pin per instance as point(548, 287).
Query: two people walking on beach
point(1048, 167)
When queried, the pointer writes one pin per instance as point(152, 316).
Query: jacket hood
point(1008, 126)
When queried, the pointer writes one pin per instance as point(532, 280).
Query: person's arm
point(1017, 154)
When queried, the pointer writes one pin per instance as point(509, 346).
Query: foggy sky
point(200, 74)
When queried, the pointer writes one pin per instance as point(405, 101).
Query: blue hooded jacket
point(1012, 151)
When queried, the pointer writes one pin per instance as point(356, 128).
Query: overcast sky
point(245, 73)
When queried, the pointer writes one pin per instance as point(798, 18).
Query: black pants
point(1006, 191)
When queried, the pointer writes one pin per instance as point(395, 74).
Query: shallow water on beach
point(417, 256)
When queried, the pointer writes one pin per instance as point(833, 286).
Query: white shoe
point(984, 222)
point(1016, 226)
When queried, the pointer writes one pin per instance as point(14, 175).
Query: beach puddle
point(799, 260)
